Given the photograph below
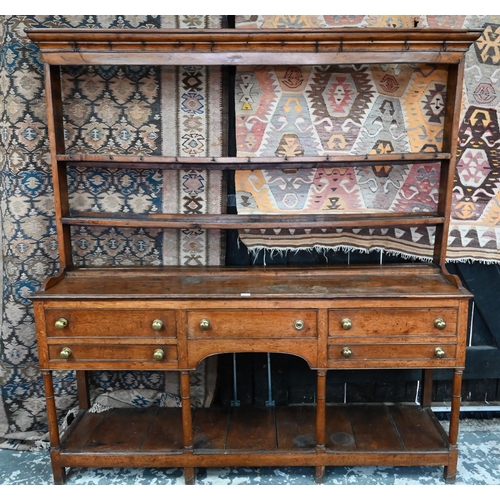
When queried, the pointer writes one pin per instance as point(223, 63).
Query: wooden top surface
point(404, 281)
point(249, 35)
point(67, 46)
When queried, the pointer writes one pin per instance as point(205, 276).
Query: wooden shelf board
point(260, 221)
point(366, 428)
point(282, 270)
point(240, 163)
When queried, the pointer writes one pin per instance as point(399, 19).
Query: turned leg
point(426, 394)
point(82, 385)
point(187, 425)
point(450, 472)
point(58, 471)
point(319, 475)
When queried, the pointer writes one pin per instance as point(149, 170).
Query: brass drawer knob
point(346, 324)
point(439, 352)
point(299, 324)
point(440, 323)
point(157, 324)
point(61, 323)
point(346, 352)
point(65, 353)
point(159, 354)
point(204, 324)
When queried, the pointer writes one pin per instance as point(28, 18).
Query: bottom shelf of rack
point(357, 434)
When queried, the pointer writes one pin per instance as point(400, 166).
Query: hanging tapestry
point(344, 110)
point(120, 110)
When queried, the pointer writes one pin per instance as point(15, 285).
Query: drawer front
point(77, 353)
point(392, 321)
point(352, 353)
point(261, 323)
point(110, 323)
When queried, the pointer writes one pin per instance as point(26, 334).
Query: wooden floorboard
point(296, 427)
point(165, 432)
point(84, 429)
point(252, 429)
point(416, 428)
point(121, 430)
point(210, 427)
point(339, 435)
point(373, 428)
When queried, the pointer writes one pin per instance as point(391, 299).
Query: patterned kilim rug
point(177, 112)
point(320, 111)
point(120, 110)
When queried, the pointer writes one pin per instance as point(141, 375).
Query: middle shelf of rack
point(246, 163)
point(254, 221)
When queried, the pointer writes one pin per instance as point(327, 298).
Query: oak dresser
point(334, 317)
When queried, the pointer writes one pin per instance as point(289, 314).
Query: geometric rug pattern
point(107, 110)
point(344, 110)
point(177, 112)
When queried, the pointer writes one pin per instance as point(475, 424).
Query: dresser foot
point(189, 475)
point(448, 478)
point(319, 474)
point(450, 471)
point(59, 474)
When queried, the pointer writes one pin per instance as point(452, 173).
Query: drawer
point(246, 323)
point(76, 353)
point(392, 321)
point(349, 353)
point(110, 323)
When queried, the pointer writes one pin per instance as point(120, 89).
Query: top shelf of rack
point(251, 47)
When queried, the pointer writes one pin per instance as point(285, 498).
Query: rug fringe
point(255, 250)
point(272, 252)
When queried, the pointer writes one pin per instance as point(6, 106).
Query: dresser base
point(399, 317)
